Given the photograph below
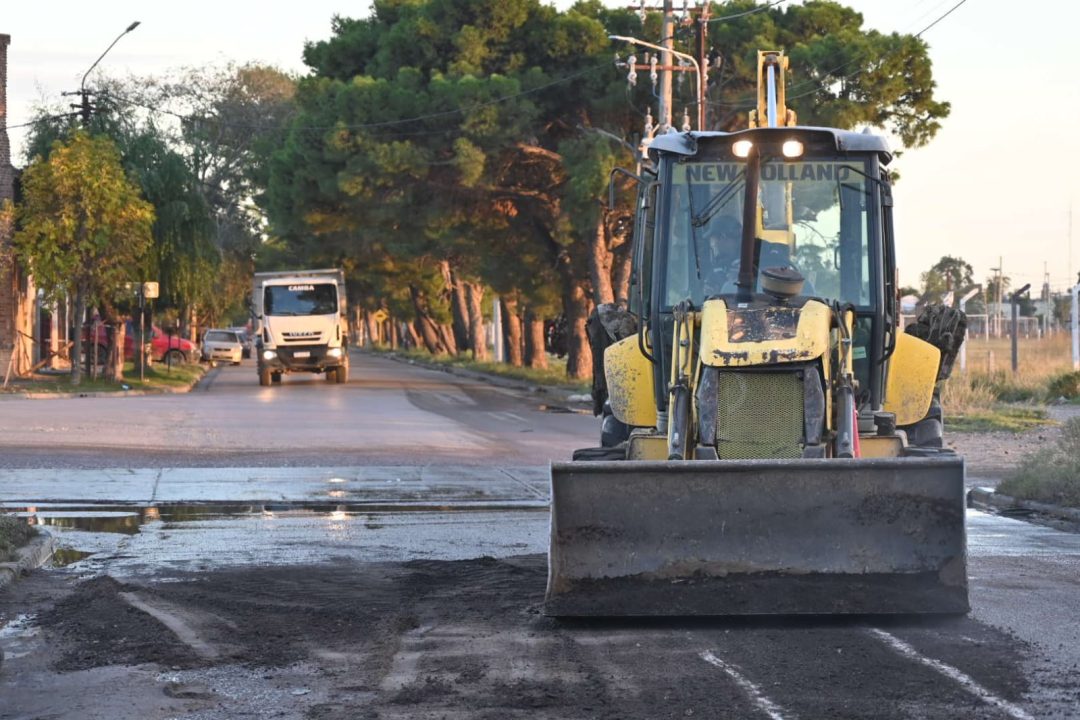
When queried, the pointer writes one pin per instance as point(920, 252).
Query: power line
point(760, 8)
point(745, 103)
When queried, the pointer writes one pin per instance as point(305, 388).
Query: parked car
point(174, 350)
point(246, 340)
point(222, 346)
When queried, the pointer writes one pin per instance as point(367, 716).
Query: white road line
point(763, 703)
point(965, 681)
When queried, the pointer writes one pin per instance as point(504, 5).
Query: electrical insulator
point(631, 76)
point(652, 71)
point(682, 75)
point(649, 127)
point(686, 120)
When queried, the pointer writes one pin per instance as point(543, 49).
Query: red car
point(161, 345)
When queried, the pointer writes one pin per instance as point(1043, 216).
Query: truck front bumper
point(302, 358)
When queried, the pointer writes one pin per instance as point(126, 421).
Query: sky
point(996, 182)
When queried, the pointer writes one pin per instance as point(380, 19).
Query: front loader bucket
point(754, 537)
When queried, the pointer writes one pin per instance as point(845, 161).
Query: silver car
point(222, 346)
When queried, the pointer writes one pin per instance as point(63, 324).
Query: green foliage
point(82, 225)
point(14, 533)
point(1051, 475)
point(1066, 385)
point(1007, 418)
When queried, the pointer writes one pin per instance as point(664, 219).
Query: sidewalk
point(376, 485)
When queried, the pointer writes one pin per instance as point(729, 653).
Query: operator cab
point(814, 221)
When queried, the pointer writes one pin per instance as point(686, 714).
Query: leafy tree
point(476, 136)
point(83, 228)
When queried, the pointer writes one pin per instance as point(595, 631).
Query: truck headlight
point(269, 354)
point(333, 352)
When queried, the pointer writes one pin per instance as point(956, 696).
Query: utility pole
point(667, 42)
point(703, 64)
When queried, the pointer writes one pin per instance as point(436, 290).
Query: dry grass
point(989, 380)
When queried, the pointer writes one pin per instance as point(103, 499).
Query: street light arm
point(82, 85)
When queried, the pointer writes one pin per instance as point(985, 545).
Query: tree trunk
point(77, 351)
point(428, 330)
point(512, 331)
point(114, 368)
point(393, 333)
point(620, 275)
point(474, 295)
point(535, 354)
point(446, 336)
point(600, 263)
point(576, 307)
point(458, 306)
point(410, 336)
point(371, 330)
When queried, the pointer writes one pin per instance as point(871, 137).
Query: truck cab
point(300, 322)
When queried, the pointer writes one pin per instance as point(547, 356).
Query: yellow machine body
point(767, 465)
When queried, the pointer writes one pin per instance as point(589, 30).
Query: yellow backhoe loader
point(773, 438)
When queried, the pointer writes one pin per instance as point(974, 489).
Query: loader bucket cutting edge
point(757, 537)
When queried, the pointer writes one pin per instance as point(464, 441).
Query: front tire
point(341, 374)
point(174, 357)
point(264, 377)
point(276, 377)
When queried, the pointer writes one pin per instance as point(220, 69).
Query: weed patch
point(157, 377)
point(14, 533)
point(1051, 475)
point(997, 418)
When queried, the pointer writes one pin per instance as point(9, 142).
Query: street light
point(82, 86)
point(684, 56)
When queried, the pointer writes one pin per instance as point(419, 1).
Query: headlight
point(792, 148)
point(269, 354)
point(741, 148)
point(334, 352)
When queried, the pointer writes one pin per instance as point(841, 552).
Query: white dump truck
point(300, 324)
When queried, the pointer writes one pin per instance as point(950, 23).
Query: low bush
point(14, 533)
point(1066, 385)
point(1051, 475)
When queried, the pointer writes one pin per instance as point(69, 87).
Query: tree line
point(449, 152)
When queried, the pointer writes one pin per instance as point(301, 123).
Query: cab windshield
point(301, 299)
point(813, 215)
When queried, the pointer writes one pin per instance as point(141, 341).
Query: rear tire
point(264, 377)
point(174, 357)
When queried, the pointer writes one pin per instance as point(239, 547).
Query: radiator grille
point(759, 415)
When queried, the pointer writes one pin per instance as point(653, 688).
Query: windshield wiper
point(717, 202)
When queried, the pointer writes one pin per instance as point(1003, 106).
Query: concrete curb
point(179, 390)
point(31, 556)
point(987, 499)
point(563, 394)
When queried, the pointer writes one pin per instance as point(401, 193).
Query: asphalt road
point(402, 580)
point(388, 413)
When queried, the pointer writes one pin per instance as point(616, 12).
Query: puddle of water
point(62, 557)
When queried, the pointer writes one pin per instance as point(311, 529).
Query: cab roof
point(687, 143)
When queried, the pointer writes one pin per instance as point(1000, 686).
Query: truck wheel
point(276, 377)
point(330, 375)
point(174, 357)
point(341, 375)
point(264, 377)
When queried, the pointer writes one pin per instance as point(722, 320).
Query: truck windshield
point(813, 215)
point(300, 299)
